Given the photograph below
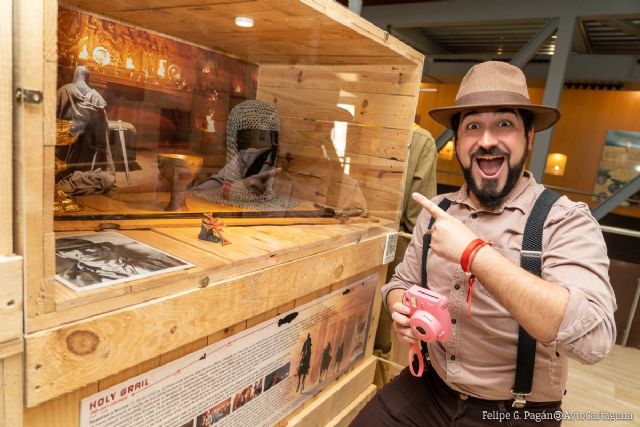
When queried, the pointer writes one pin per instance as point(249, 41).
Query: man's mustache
point(494, 151)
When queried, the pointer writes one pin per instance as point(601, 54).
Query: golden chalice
point(179, 170)
point(62, 202)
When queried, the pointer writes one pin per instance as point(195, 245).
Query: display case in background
point(293, 132)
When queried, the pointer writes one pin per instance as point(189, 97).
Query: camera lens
point(421, 330)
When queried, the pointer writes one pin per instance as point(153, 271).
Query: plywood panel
point(6, 124)
point(389, 79)
point(369, 141)
point(350, 411)
point(76, 354)
point(11, 383)
point(63, 411)
point(10, 298)
point(370, 109)
point(308, 37)
point(332, 400)
point(274, 244)
point(377, 173)
point(29, 152)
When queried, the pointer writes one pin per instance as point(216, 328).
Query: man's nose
point(487, 139)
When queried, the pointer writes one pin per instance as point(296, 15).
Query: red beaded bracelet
point(466, 260)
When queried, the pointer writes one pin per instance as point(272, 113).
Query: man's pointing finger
point(433, 209)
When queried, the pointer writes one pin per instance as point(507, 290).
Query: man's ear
point(531, 137)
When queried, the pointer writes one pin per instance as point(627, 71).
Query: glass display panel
point(149, 126)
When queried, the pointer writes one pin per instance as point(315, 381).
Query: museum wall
point(587, 116)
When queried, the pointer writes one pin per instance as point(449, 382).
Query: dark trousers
point(429, 402)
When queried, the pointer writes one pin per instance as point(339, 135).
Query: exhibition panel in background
point(181, 176)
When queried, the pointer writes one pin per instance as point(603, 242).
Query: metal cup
point(179, 170)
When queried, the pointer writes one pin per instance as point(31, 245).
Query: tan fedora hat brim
point(543, 116)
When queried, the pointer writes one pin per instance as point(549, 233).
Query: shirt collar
point(516, 199)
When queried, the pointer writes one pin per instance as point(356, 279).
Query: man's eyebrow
point(468, 113)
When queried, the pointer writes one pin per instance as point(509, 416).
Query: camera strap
point(530, 260)
point(426, 242)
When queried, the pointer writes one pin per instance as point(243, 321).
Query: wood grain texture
point(388, 79)
point(6, 124)
point(331, 401)
point(316, 31)
point(11, 300)
point(367, 109)
point(76, 354)
point(255, 247)
point(351, 410)
point(11, 386)
point(609, 386)
point(29, 60)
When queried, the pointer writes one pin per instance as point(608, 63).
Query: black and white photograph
point(97, 260)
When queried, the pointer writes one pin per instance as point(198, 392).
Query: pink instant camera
point(429, 319)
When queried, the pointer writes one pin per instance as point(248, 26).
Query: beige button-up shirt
point(480, 358)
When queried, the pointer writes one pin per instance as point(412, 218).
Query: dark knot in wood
point(82, 343)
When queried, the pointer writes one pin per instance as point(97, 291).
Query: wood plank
point(369, 141)
point(63, 411)
point(142, 224)
point(50, 81)
point(368, 171)
point(11, 302)
point(308, 240)
point(6, 124)
point(11, 391)
point(29, 152)
point(366, 29)
point(75, 354)
point(348, 414)
point(311, 35)
point(11, 348)
point(226, 332)
point(389, 79)
point(375, 311)
point(125, 374)
point(182, 351)
point(331, 401)
point(369, 109)
point(67, 299)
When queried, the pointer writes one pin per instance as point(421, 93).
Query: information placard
point(255, 377)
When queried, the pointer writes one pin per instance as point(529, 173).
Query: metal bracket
point(28, 95)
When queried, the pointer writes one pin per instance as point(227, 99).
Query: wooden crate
point(313, 56)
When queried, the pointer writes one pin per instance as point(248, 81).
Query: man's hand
point(449, 236)
point(399, 314)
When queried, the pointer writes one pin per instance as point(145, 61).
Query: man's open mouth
point(489, 165)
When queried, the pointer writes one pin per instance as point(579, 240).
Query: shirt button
point(464, 396)
point(456, 286)
point(453, 357)
point(453, 321)
point(474, 215)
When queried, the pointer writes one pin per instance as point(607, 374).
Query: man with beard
point(566, 308)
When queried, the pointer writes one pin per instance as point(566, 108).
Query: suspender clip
point(531, 254)
point(519, 399)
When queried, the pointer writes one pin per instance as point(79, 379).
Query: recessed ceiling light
point(244, 21)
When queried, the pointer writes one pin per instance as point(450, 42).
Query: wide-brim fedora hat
point(496, 84)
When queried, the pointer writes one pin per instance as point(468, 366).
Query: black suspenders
point(530, 260)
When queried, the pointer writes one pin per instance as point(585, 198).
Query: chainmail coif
point(251, 114)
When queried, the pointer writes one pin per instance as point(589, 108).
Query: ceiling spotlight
point(244, 21)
